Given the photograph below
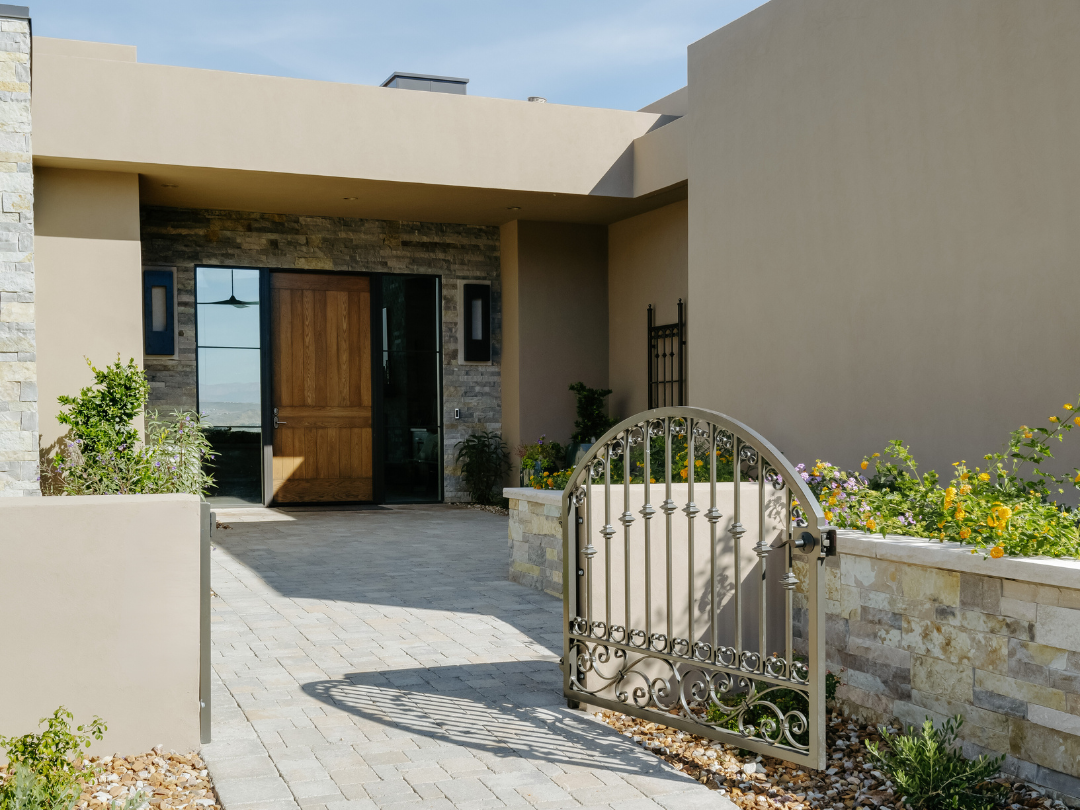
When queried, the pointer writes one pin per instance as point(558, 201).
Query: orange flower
point(1053, 419)
point(871, 525)
point(965, 533)
point(997, 552)
point(864, 465)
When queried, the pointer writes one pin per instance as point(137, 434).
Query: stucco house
point(868, 208)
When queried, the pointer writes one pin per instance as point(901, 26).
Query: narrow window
point(477, 331)
point(158, 315)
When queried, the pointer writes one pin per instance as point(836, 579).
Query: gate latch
point(829, 544)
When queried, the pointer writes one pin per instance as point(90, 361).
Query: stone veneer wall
point(18, 347)
point(536, 558)
point(184, 238)
point(921, 629)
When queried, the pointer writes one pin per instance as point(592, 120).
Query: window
point(476, 337)
point(230, 380)
point(159, 331)
point(412, 421)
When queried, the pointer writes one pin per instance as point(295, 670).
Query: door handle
point(276, 422)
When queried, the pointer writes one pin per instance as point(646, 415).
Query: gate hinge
point(829, 543)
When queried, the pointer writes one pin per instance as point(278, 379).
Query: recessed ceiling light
point(513, 208)
point(348, 198)
point(169, 185)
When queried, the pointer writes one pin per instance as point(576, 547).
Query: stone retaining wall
point(535, 541)
point(927, 629)
point(922, 629)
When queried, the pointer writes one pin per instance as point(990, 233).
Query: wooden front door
point(321, 336)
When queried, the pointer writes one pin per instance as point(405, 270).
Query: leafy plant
point(173, 459)
point(592, 420)
point(101, 415)
point(49, 763)
point(930, 773)
point(1008, 508)
point(484, 460)
point(550, 455)
point(832, 682)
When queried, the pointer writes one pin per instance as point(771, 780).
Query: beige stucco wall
point(102, 599)
point(555, 325)
point(89, 288)
point(646, 265)
point(883, 222)
point(162, 115)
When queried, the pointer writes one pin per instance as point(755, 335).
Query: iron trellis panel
point(672, 621)
point(667, 360)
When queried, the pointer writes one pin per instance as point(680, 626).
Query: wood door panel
point(321, 338)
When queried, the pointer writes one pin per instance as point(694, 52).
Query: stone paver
point(381, 659)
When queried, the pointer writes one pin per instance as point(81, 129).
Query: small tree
point(592, 420)
point(100, 416)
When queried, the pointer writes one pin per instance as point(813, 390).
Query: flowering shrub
point(550, 455)
point(171, 460)
point(551, 480)
point(1004, 508)
point(103, 454)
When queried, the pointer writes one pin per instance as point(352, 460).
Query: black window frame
point(476, 351)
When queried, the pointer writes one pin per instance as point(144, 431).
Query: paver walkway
point(381, 659)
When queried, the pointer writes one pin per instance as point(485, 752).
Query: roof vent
point(420, 81)
point(538, 99)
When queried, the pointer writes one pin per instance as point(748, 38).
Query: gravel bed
point(171, 781)
point(754, 782)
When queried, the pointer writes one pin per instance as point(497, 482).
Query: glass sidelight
point(410, 375)
point(228, 343)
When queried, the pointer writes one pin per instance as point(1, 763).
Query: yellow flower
point(828, 515)
point(1028, 435)
point(965, 533)
point(960, 513)
point(652, 480)
point(698, 463)
point(1077, 479)
point(1053, 418)
point(864, 465)
point(871, 525)
point(832, 500)
point(1067, 406)
point(876, 455)
point(997, 552)
point(965, 476)
point(965, 489)
point(984, 476)
point(941, 525)
point(950, 492)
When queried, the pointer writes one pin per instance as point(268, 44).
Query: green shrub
point(484, 460)
point(173, 459)
point(1007, 508)
point(46, 767)
point(592, 420)
point(101, 415)
point(103, 454)
point(930, 773)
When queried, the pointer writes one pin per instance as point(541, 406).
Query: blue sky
point(599, 53)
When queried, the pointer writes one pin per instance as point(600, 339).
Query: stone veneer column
point(18, 360)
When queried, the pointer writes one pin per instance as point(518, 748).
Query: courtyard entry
point(322, 394)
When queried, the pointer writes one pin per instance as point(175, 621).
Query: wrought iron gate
point(715, 629)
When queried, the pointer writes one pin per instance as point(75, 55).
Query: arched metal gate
point(707, 618)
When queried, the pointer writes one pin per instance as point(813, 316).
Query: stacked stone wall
point(535, 539)
point(18, 358)
point(915, 641)
point(185, 238)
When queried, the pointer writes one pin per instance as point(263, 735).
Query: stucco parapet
point(957, 557)
point(545, 497)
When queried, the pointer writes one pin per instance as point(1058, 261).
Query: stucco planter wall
point(922, 629)
point(104, 603)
